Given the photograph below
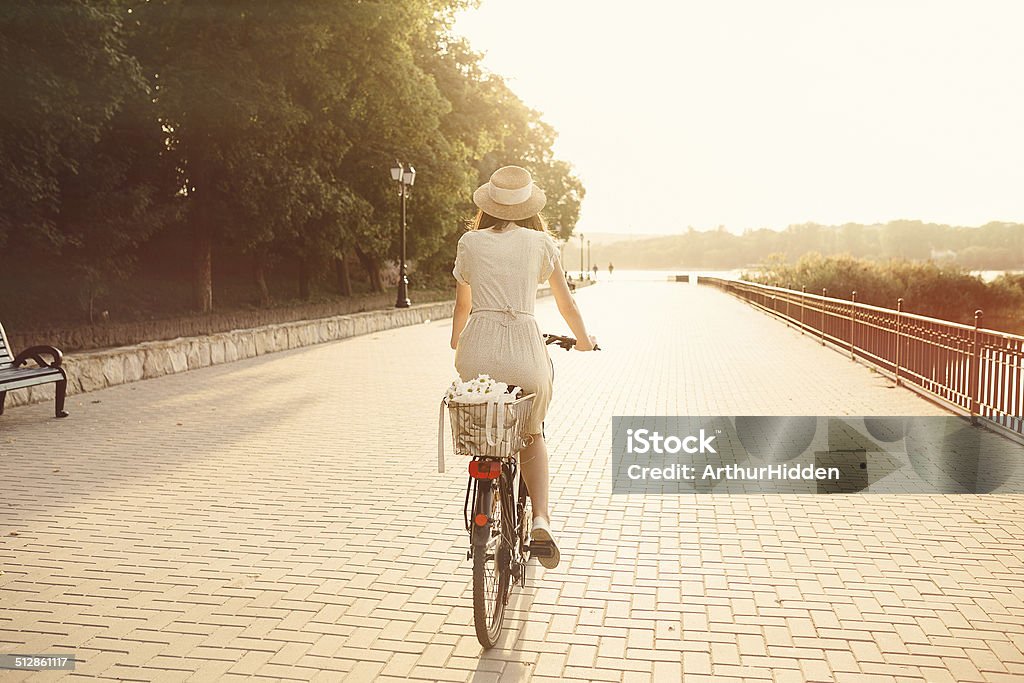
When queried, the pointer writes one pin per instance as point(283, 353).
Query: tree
point(565, 196)
point(264, 129)
point(78, 139)
point(58, 101)
point(226, 99)
point(119, 197)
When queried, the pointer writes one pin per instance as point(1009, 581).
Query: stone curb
point(100, 369)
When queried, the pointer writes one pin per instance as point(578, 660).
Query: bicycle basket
point(506, 434)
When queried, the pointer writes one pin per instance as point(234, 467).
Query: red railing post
point(788, 290)
point(853, 318)
point(975, 368)
point(899, 336)
point(803, 295)
point(824, 293)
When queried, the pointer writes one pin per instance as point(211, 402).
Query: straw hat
point(510, 195)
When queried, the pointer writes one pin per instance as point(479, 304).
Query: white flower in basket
point(483, 418)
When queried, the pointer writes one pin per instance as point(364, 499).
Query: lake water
point(657, 275)
point(990, 275)
point(662, 275)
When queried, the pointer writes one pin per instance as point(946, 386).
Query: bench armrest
point(36, 353)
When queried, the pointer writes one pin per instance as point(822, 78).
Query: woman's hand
point(582, 345)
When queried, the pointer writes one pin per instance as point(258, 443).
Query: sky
point(759, 113)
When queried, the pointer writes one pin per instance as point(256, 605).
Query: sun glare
point(757, 114)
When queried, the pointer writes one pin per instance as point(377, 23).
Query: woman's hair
point(485, 220)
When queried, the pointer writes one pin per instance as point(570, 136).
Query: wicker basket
point(493, 430)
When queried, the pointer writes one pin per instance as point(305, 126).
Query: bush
point(938, 290)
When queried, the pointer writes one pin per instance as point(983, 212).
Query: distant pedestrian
point(611, 269)
point(595, 271)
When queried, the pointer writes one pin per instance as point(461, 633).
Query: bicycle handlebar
point(566, 343)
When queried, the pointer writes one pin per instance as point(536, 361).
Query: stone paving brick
point(281, 518)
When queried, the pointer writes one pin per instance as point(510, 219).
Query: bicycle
point(496, 511)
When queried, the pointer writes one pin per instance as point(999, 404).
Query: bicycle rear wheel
point(491, 557)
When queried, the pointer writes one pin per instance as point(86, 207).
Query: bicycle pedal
point(541, 549)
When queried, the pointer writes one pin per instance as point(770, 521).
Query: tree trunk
point(259, 274)
point(372, 269)
point(303, 279)
point(341, 271)
point(202, 268)
point(376, 282)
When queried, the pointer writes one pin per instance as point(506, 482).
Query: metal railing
point(972, 370)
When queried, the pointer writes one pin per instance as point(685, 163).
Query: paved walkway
point(282, 518)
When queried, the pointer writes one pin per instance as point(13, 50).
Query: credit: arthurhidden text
point(734, 472)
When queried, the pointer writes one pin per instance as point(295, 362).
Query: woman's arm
point(567, 307)
point(463, 305)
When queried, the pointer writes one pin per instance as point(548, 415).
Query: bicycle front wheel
point(491, 555)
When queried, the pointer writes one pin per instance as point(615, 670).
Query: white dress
point(501, 338)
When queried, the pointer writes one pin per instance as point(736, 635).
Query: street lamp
point(589, 261)
point(581, 256)
point(405, 176)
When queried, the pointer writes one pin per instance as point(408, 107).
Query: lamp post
point(581, 256)
point(589, 261)
point(405, 176)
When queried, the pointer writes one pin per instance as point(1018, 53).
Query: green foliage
point(938, 290)
point(74, 148)
point(266, 129)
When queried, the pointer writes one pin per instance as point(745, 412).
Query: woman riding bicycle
point(500, 261)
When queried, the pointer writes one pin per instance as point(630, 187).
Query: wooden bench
point(15, 374)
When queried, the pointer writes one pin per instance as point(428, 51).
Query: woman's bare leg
point(534, 461)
